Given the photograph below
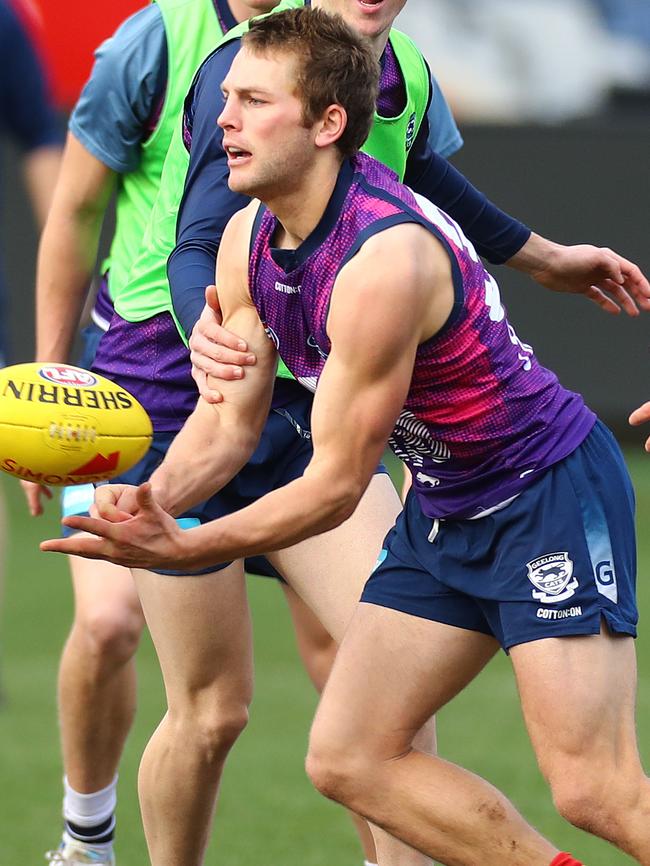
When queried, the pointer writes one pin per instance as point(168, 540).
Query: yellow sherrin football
point(62, 425)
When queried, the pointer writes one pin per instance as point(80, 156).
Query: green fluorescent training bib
point(192, 29)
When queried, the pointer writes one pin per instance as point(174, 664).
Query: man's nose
point(227, 117)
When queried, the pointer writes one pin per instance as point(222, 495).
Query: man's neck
point(299, 210)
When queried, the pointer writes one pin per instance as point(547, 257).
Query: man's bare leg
point(317, 651)
point(97, 681)
point(201, 630)
point(329, 572)
point(391, 673)
point(97, 700)
point(586, 746)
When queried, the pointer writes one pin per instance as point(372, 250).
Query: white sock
point(368, 863)
point(89, 810)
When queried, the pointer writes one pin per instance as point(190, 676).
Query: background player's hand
point(598, 273)
point(639, 416)
point(34, 494)
point(215, 351)
point(148, 539)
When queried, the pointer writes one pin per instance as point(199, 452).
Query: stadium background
point(587, 180)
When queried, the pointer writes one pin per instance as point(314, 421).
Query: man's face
point(370, 18)
point(265, 140)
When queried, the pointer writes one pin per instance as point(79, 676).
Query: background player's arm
point(41, 169)
point(107, 128)
point(600, 274)
point(66, 259)
point(68, 249)
point(205, 208)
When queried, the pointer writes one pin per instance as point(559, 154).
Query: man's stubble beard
point(278, 177)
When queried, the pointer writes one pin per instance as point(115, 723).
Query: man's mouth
point(236, 155)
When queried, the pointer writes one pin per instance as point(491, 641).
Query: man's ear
point(331, 125)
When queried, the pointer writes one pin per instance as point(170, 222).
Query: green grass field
point(268, 812)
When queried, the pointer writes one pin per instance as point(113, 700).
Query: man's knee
point(209, 726)
point(580, 802)
point(338, 772)
point(330, 775)
point(590, 797)
point(109, 632)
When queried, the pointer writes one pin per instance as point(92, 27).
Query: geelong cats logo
point(410, 132)
point(552, 575)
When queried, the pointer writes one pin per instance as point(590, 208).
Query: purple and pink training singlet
point(482, 418)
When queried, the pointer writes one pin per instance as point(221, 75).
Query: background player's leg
point(97, 676)
point(317, 651)
point(201, 630)
point(329, 572)
point(393, 672)
point(316, 647)
point(578, 698)
point(96, 692)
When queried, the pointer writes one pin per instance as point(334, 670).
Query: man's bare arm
point(214, 352)
point(68, 248)
point(217, 440)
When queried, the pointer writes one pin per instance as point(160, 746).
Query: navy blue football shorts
point(555, 561)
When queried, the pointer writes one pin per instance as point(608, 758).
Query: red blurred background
point(67, 32)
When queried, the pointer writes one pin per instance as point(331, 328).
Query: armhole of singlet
point(255, 228)
point(257, 222)
point(410, 216)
